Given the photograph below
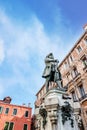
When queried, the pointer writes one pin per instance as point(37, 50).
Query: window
point(1, 108)
point(14, 111)
point(25, 127)
point(26, 113)
point(81, 90)
point(7, 110)
point(11, 126)
point(74, 72)
point(85, 40)
point(84, 61)
point(70, 59)
point(68, 77)
point(8, 126)
point(79, 49)
point(66, 65)
point(74, 96)
point(86, 112)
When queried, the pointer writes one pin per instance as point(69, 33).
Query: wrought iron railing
point(77, 76)
point(83, 97)
point(74, 78)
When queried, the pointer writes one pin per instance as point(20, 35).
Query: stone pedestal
point(55, 108)
point(53, 119)
point(53, 103)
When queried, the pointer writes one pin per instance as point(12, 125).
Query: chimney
point(7, 100)
point(23, 104)
point(29, 104)
point(85, 27)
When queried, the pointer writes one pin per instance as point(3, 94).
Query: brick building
point(14, 117)
point(74, 75)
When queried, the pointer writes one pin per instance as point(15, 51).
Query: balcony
point(85, 68)
point(74, 79)
point(78, 75)
point(83, 97)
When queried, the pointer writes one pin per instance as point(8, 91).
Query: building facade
point(14, 117)
point(74, 75)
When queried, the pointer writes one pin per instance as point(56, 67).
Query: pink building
point(14, 117)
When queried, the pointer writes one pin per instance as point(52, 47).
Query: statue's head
point(50, 55)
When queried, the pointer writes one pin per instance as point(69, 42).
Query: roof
point(1, 102)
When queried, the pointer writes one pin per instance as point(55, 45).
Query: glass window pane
point(26, 113)
point(74, 96)
point(79, 49)
point(86, 40)
point(6, 126)
point(11, 126)
point(81, 90)
point(84, 60)
point(1, 108)
point(14, 111)
point(25, 127)
point(7, 110)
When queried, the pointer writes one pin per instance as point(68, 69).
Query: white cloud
point(24, 48)
point(20, 44)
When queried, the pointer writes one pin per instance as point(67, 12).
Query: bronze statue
point(51, 72)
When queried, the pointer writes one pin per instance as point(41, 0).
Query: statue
point(67, 112)
point(51, 72)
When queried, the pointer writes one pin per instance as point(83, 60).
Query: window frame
point(5, 125)
point(26, 113)
point(66, 64)
point(26, 125)
point(1, 109)
point(79, 49)
point(12, 126)
point(84, 61)
point(7, 110)
point(85, 40)
point(68, 76)
point(74, 96)
point(81, 90)
point(9, 126)
point(70, 58)
point(74, 72)
point(14, 112)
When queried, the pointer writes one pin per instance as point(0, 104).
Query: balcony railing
point(74, 79)
point(83, 97)
point(85, 67)
point(77, 76)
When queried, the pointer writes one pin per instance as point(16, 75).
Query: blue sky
point(29, 30)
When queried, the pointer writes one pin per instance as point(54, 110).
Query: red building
point(14, 117)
